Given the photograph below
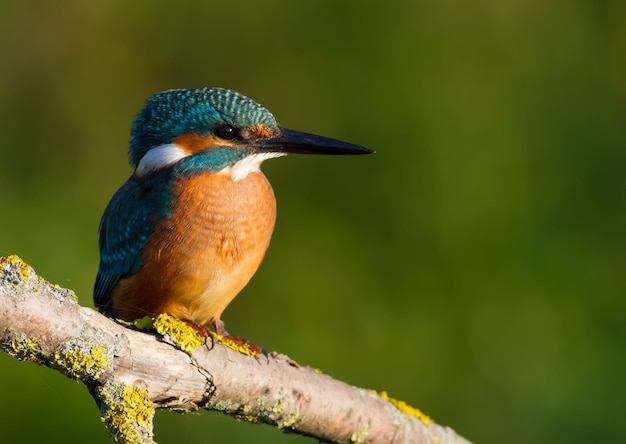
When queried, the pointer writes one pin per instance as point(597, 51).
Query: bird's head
point(214, 129)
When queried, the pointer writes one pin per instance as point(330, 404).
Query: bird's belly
point(199, 258)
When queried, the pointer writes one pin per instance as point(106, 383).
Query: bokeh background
point(474, 267)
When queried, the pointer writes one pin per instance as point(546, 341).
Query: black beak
point(290, 141)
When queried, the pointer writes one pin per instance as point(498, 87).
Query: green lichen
point(226, 406)
point(82, 365)
point(127, 411)
point(283, 420)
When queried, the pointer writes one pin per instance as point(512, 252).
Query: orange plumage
point(196, 261)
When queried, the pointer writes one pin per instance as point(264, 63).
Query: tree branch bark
point(130, 373)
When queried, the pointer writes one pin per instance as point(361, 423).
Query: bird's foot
point(242, 345)
point(203, 330)
point(235, 342)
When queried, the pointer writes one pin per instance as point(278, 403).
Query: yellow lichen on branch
point(82, 365)
point(186, 337)
point(127, 411)
point(173, 330)
point(15, 261)
point(26, 349)
point(407, 409)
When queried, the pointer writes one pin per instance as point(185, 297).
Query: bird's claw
point(219, 334)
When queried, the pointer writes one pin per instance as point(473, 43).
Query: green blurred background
point(474, 267)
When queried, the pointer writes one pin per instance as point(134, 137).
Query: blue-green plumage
point(175, 112)
point(214, 160)
point(126, 224)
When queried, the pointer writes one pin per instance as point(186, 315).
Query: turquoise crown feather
point(178, 111)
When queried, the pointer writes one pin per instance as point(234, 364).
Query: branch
point(130, 373)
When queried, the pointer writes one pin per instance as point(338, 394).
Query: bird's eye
point(226, 132)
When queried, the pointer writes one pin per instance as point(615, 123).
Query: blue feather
point(126, 224)
point(209, 161)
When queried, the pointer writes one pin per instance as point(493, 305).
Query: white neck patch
point(160, 157)
point(250, 164)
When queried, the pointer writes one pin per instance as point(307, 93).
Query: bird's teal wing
point(124, 228)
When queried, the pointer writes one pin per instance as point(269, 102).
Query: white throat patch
point(250, 164)
point(160, 157)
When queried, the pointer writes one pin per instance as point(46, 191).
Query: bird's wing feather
point(124, 228)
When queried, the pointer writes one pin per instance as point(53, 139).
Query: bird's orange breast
point(196, 261)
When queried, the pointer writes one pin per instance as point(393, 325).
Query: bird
point(189, 228)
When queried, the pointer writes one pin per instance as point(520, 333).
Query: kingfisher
point(191, 225)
